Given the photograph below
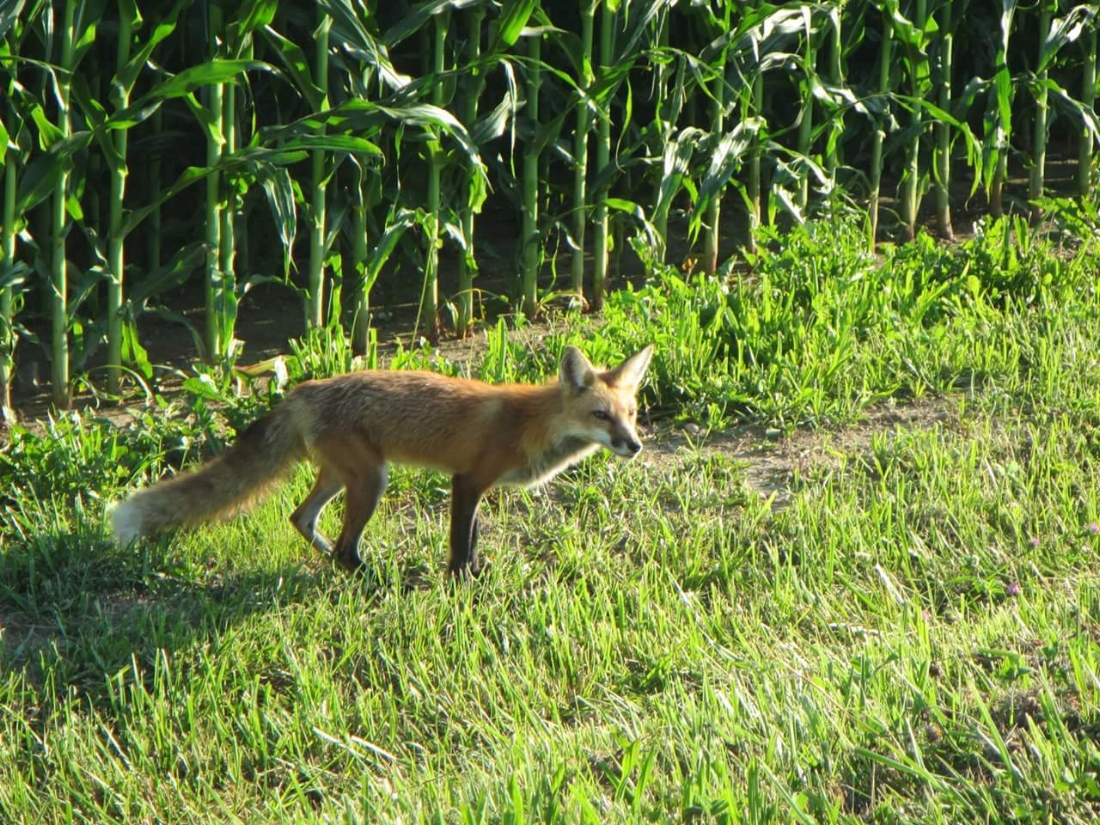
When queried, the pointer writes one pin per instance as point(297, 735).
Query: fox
point(352, 426)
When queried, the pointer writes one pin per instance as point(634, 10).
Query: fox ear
point(631, 371)
point(576, 371)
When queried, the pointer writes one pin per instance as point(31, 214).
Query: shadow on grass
point(78, 612)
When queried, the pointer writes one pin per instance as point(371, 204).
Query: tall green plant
point(603, 160)
point(217, 286)
point(1085, 139)
point(1054, 34)
point(835, 73)
point(752, 105)
point(917, 64)
point(530, 242)
point(128, 19)
point(129, 65)
point(717, 123)
point(883, 119)
point(467, 262)
point(319, 174)
point(9, 276)
point(433, 236)
point(806, 113)
point(998, 116)
point(1037, 174)
point(10, 151)
point(580, 145)
point(68, 34)
point(942, 129)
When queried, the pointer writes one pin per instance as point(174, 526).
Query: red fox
point(353, 425)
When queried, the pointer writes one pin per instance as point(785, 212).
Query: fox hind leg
point(304, 519)
point(352, 463)
point(364, 492)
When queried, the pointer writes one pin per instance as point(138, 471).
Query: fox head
point(600, 404)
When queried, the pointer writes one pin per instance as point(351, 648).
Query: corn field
point(329, 148)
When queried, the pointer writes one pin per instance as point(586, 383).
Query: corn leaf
point(296, 66)
point(511, 23)
point(421, 13)
point(9, 14)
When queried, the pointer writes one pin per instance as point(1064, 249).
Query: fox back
point(353, 426)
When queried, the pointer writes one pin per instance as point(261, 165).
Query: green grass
point(912, 639)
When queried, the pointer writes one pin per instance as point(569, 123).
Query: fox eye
point(601, 415)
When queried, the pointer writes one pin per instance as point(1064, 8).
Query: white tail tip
point(126, 522)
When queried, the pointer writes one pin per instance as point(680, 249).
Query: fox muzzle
point(626, 447)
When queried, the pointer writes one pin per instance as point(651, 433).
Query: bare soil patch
point(772, 460)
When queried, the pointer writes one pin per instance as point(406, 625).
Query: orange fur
point(353, 425)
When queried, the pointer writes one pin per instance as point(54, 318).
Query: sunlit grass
point(909, 634)
point(914, 634)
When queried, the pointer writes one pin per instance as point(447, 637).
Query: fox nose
point(629, 445)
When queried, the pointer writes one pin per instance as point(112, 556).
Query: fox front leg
point(465, 496)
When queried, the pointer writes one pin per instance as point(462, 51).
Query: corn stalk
point(603, 160)
point(580, 147)
point(530, 233)
point(918, 70)
point(1042, 103)
point(315, 292)
point(806, 114)
point(942, 165)
point(429, 300)
point(886, 53)
point(8, 277)
point(9, 273)
point(717, 122)
point(836, 77)
point(467, 262)
point(999, 116)
point(59, 273)
point(128, 16)
point(215, 143)
point(752, 104)
point(1085, 139)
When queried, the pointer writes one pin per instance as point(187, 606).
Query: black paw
point(471, 570)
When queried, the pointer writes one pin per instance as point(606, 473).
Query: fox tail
point(228, 484)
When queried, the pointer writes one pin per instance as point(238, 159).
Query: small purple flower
point(1092, 527)
point(1013, 589)
point(1033, 541)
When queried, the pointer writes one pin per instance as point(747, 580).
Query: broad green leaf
point(89, 13)
point(41, 174)
point(259, 14)
point(511, 23)
point(1065, 30)
point(133, 352)
point(183, 263)
point(48, 133)
point(211, 73)
point(726, 160)
point(9, 14)
point(419, 16)
point(13, 274)
point(163, 27)
point(297, 66)
point(279, 191)
point(674, 165)
point(494, 123)
point(189, 176)
point(397, 222)
point(349, 29)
